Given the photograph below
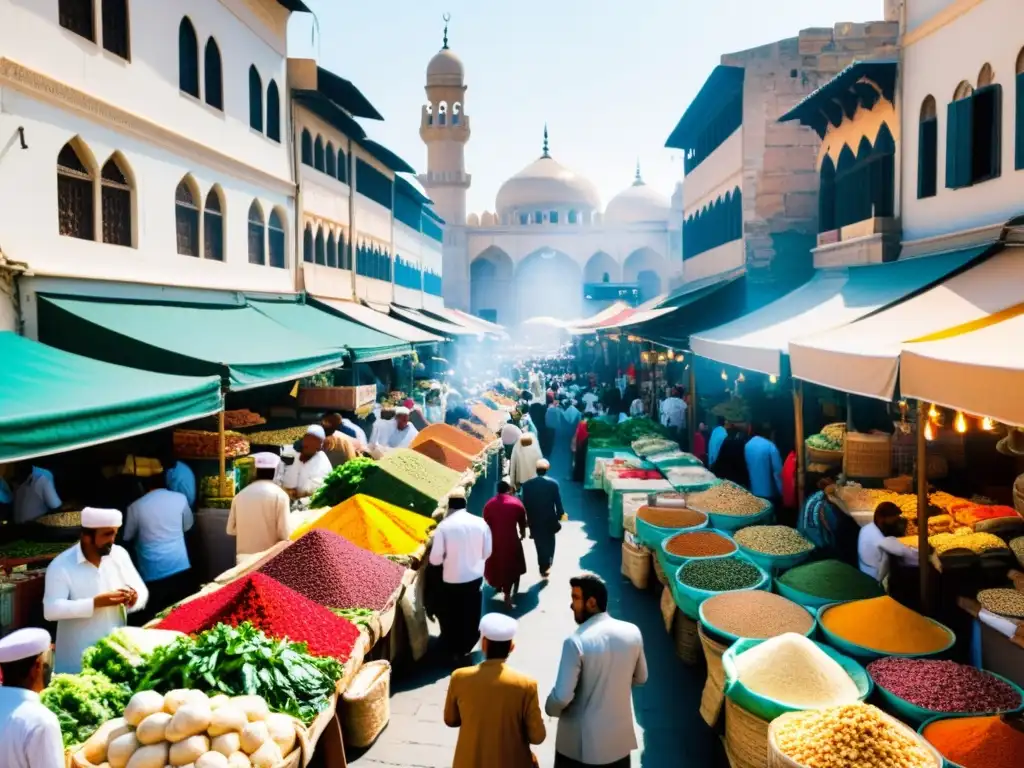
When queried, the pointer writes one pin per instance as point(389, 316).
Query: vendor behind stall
point(259, 513)
point(35, 493)
point(397, 433)
point(879, 541)
point(307, 471)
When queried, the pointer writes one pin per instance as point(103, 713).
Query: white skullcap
point(101, 518)
point(24, 644)
point(402, 411)
point(266, 460)
point(543, 464)
point(457, 493)
point(498, 628)
point(316, 431)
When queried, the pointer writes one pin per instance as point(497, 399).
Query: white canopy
point(380, 321)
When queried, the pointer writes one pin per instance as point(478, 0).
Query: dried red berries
point(944, 686)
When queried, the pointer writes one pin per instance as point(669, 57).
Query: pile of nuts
point(1003, 602)
point(726, 499)
point(773, 540)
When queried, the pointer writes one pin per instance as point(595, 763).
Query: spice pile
point(334, 572)
point(726, 499)
point(373, 524)
point(242, 417)
point(773, 540)
point(831, 580)
point(444, 454)
point(977, 742)
point(755, 614)
point(1003, 602)
point(965, 539)
point(881, 624)
point(410, 480)
point(699, 544)
point(1017, 545)
point(343, 481)
point(944, 686)
point(720, 574)
point(27, 550)
point(671, 517)
point(850, 735)
point(60, 520)
point(275, 609)
point(794, 671)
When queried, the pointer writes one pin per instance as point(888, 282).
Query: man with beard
point(90, 589)
point(593, 694)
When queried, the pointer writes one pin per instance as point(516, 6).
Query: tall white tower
point(444, 128)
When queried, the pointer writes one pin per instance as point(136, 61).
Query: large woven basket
point(713, 697)
point(659, 571)
point(821, 456)
point(1018, 494)
point(867, 455)
point(668, 608)
point(636, 564)
point(365, 706)
point(684, 633)
point(746, 737)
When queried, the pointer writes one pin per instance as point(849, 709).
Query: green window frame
point(927, 158)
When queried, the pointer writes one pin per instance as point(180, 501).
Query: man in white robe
point(308, 470)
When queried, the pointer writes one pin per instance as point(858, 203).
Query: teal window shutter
point(927, 157)
point(959, 143)
point(986, 115)
point(1019, 124)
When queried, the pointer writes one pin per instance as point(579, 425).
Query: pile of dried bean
point(726, 499)
point(1003, 602)
point(671, 517)
point(720, 574)
point(773, 540)
point(756, 614)
point(944, 686)
point(699, 544)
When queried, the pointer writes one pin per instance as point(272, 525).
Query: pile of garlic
point(188, 729)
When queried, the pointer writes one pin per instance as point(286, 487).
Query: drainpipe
point(901, 113)
point(15, 269)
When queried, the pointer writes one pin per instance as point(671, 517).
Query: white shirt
point(71, 584)
point(29, 732)
point(673, 412)
point(263, 509)
point(462, 543)
point(360, 432)
point(874, 549)
point(158, 522)
point(306, 476)
point(35, 497)
point(589, 402)
point(400, 438)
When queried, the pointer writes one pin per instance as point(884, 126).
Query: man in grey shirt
point(593, 697)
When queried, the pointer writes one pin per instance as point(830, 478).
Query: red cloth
point(700, 446)
point(506, 516)
point(789, 481)
point(582, 433)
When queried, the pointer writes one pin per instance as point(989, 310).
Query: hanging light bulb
point(725, 376)
point(929, 434)
point(773, 379)
point(933, 413)
point(960, 422)
point(741, 377)
point(987, 424)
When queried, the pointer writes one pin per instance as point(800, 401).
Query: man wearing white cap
point(495, 708)
point(396, 433)
point(259, 513)
point(29, 732)
point(308, 470)
point(90, 588)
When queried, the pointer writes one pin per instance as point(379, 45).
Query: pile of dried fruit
point(773, 540)
point(280, 437)
point(410, 480)
point(242, 417)
point(726, 499)
point(720, 574)
point(198, 444)
point(1003, 602)
point(944, 686)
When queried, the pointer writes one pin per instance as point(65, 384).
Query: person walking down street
point(593, 693)
point(731, 462)
point(29, 732)
point(525, 455)
point(718, 436)
point(462, 543)
point(764, 463)
point(543, 502)
point(673, 416)
point(552, 422)
point(579, 448)
point(506, 517)
point(495, 708)
point(565, 434)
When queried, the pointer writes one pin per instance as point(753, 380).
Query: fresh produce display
point(720, 574)
point(726, 499)
point(669, 517)
point(60, 520)
point(27, 550)
point(883, 625)
point(823, 442)
point(755, 614)
point(121, 655)
point(343, 481)
point(445, 455)
point(944, 686)
point(609, 436)
point(699, 544)
point(978, 742)
point(773, 540)
point(360, 617)
point(198, 444)
point(82, 703)
point(849, 736)
point(242, 661)
point(689, 478)
point(279, 437)
point(734, 411)
point(209, 486)
point(345, 576)
point(373, 524)
point(449, 435)
point(645, 446)
point(831, 580)
point(1003, 602)
point(242, 417)
point(410, 480)
point(270, 607)
point(964, 538)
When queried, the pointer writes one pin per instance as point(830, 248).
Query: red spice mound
point(332, 571)
point(274, 608)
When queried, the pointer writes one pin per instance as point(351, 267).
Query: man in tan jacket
point(495, 708)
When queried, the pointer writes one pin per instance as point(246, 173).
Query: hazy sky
point(610, 78)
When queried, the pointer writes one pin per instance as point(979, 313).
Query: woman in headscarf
point(579, 448)
point(525, 455)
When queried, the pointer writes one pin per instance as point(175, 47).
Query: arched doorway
point(490, 286)
point(599, 266)
point(548, 283)
point(645, 267)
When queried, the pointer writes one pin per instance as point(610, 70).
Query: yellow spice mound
point(373, 524)
point(882, 624)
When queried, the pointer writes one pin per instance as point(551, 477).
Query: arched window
point(1019, 127)
point(344, 256)
point(342, 166)
point(76, 16)
point(186, 217)
point(318, 154)
point(883, 173)
point(74, 195)
point(255, 99)
point(553, 217)
point(928, 149)
point(332, 251)
point(307, 147)
point(115, 27)
point(320, 254)
point(307, 244)
point(188, 58)
point(276, 239)
point(273, 112)
point(116, 203)
point(985, 76)
point(213, 75)
point(329, 160)
point(572, 217)
point(213, 226)
point(442, 113)
point(974, 134)
point(257, 235)
point(827, 195)
point(456, 112)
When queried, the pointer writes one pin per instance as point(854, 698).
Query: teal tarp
point(365, 344)
point(243, 346)
point(52, 401)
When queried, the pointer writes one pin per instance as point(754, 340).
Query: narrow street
point(670, 730)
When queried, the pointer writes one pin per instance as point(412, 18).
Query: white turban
point(543, 464)
point(498, 628)
point(402, 411)
point(93, 517)
point(316, 431)
point(24, 644)
point(266, 460)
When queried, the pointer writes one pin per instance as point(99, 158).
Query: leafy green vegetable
point(243, 661)
point(110, 659)
point(359, 616)
point(824, 442)
point(82, 703)
point(343, 482)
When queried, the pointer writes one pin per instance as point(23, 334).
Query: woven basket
point(867, 455)
point(668, 608)
point(365, 706)
point(659, 571)
point(684, 633)
point(713, 697)
point(821, 456)
point(746, 737)
point(636, 565)
point(1018, 494)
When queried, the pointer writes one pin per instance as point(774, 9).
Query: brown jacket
point(498, 715)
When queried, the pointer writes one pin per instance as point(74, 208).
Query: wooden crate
point(337, 398)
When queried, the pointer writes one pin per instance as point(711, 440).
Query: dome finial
point(447, 17)
point(546, 153)
point(638, 181)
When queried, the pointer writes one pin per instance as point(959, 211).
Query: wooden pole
point(221, 450)
point(798, 420)
point(692, 410)
point(922, 505)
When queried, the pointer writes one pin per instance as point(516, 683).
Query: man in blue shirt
point(718, 436)
point(179, 477)
point(764, 465)
point(36, 494)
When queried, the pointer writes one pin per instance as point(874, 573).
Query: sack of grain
point(636, 564)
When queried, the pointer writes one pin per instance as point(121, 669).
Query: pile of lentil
point(373, 524)
point(726, 499)
point(1003, 602)
point(447, 455)
point(977, 742)
point(773, 540)
point(271, 607)
point(831, 580)
point(334, 572)
point(755, 614)
point(671, 517)
point(699, 544)
point(884, 625)
point(720, 574)
point(792, 670)
point(944, 686)
point(849, 735)
point(410, 480)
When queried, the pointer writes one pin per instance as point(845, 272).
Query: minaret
point(444, 128)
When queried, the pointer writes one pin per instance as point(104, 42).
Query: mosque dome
point(445, 69)
point(638, 203)
point(546, 183)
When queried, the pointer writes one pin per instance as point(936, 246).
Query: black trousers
point(561, 761)
point(459, 616)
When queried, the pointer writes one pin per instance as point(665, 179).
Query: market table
point(592, 483)
point(617, 488)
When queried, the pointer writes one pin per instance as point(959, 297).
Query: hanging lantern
point(741, 377)
point(929, 433)
point(661, 358)
point(773, 379)
point(725, 376)
point(960, 422)
point(987, 424)
point(933, 413)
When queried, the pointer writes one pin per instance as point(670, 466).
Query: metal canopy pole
point(922, 506)
point(221, 450)
point(798, 418)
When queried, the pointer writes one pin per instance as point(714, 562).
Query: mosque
point(547, 249)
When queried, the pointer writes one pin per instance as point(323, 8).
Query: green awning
point(692, 308)
point(52, 401)
point(327, 329)
point(238, 343)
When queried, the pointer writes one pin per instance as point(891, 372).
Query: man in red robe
point(506, 517)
